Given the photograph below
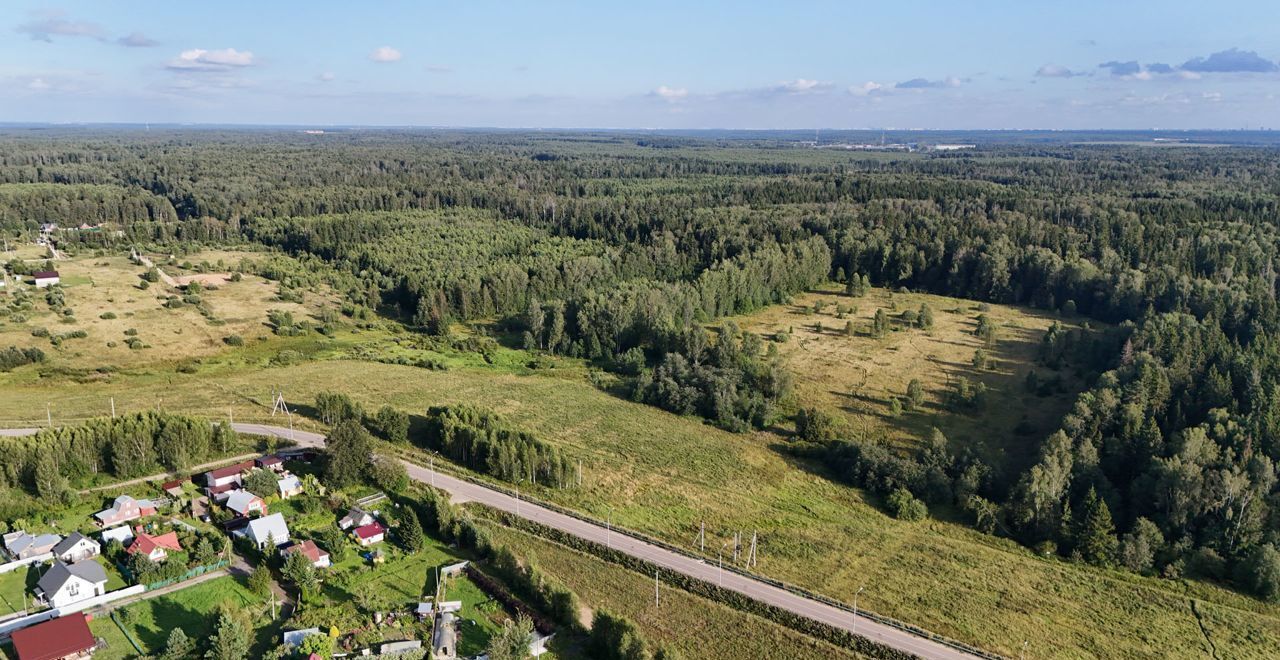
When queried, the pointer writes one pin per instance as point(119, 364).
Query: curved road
point(461, 490)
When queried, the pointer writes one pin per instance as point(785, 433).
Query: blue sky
point(901, 64)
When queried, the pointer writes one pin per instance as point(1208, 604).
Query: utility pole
point(579, 473)
point(737, 542)
point(608, 529)
point(751, 556)
point(48, 414)
point(720, 561)
point(702, 537)
point(113, 407)
point(433, 469)
point(655, 588)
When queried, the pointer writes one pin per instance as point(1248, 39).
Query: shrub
point(233, 340)
point(107, 316)
point(904, 506)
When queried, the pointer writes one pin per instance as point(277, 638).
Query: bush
point(233, 340)
point(107, 316)
point(904, 506)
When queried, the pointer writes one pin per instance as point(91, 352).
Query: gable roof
point(272, 525)
point(23, 542)
point(289, 483)
point(60, 573)
point(44, 274)
point(120, 533)
point(267, 461)
point(369, 531)
point(69, 543)
point(241, 500)
point(355, 516)
point(230, 470)
point(122, 503)
point(308, 548)
point(146, 543)
point(54, 639)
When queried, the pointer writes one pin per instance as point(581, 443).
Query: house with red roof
point(370, 534)
point(232, 474)
point(64, 638)
point(156, 548)
point(319, 558)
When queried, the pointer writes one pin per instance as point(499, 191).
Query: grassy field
point(98, 286)
point(693, 626)
point(855, 377)
point(664, 475)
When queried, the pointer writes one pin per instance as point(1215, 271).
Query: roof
point(120, 533)
point(308, 548)
point(54, 639)
point(289, 483)
point(121, 503)
point(293, 637)
point(218, 490)
point(444, 634)
point(241, 500)
point(70, 543)
point(168, 485)
point(355, 515)
point(146, 543)
point(272, 525)
point(270, 460)
point(369, 531)
point(58, 575)
point(22, 542)
point(230, 470)
point(45, 274)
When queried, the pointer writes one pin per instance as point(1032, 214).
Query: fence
point(8, 627)
point(160, 584)
point(15, 565)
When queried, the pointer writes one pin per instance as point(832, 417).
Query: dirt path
point(170, 475)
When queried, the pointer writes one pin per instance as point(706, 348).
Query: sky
point(906, 64)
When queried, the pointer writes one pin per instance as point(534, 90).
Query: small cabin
point(46, 278)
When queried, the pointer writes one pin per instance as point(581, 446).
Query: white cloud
point(385, 54)
point(199, 59)
point(38, 85)
point(326, 76)
point(866, 88)
point(671, 93)
point(803, 86)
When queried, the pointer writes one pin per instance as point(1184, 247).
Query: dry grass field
point(856, 377)
point(103, 294)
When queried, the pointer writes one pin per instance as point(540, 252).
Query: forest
point(617, 248)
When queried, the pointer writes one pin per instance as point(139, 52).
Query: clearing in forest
point(841, 365)
point(125, 326)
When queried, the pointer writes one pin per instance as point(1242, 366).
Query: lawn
point(14, 586)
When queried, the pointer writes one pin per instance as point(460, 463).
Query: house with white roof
point(243, 503)
point(123, 534)
point(272, 527)
point(288, 486)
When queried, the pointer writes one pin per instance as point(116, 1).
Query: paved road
point(461, 490)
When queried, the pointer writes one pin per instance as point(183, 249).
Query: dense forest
point(616, 247)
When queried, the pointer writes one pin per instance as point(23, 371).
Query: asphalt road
point(461, 490)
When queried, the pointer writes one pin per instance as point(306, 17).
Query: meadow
point(663, 475)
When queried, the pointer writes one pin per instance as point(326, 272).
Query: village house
point(356, 518)
point(370, 534)
point(274, 463)
point(244, 503)
point(123, 510)
point(77, 547)
point(64, 638)
point(46, 278)
point(123, 534)
point(64, 584)
point(288, 486)
point(173, 488)
point(155, 548)
point(232, 474)
point(21, 545)
point(270, 528)
point(318, 558)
